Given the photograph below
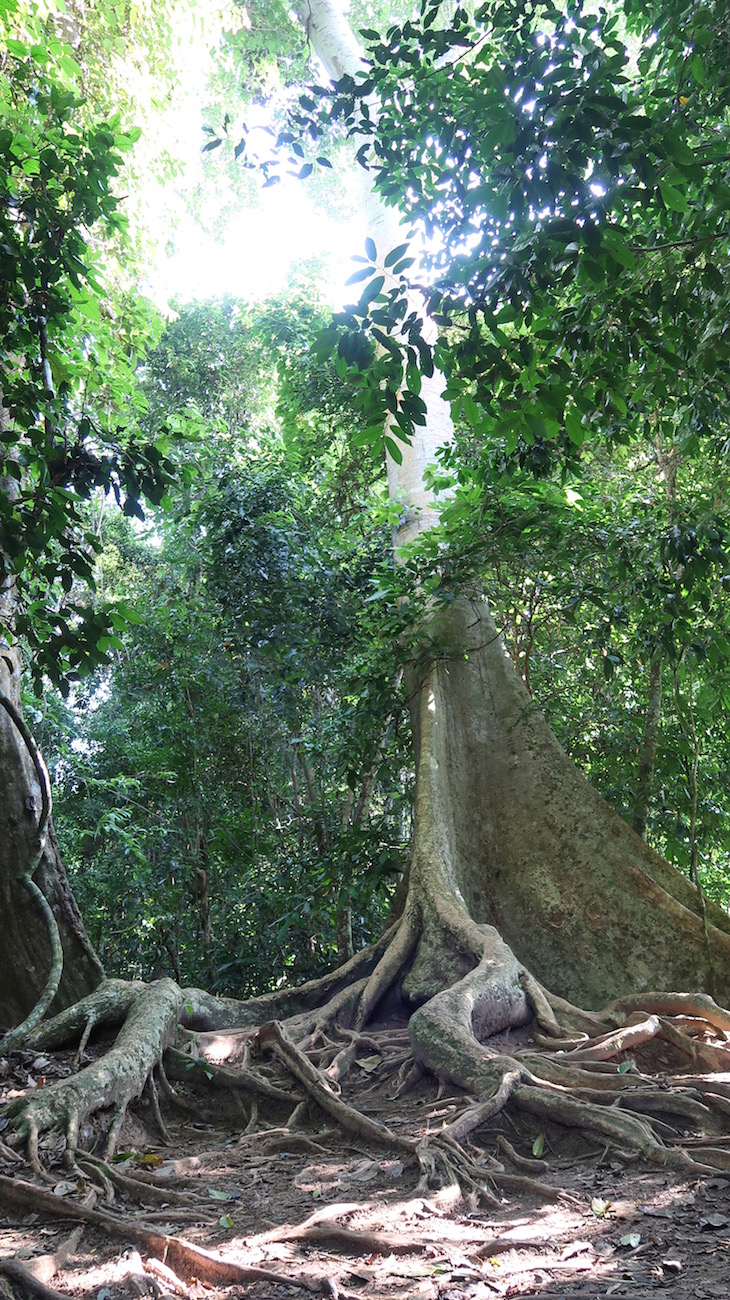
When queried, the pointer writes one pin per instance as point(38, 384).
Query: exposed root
point(109, 1004)
point(120, 1075)
point(699, 1005)
point(145, 1193)
point(579, 1070)
point(342, 1062)
point(358, 1241)
point(150, 1092)
point(20, 1273)
point(188, 1261)
point(203, 1011)
point(394, 959)
point(273, 1037)
point(475, 1116)
point(526, 1164)
point(204, 1072)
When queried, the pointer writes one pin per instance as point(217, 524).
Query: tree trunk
point(521, 877)
point(647, 758)
point(508, 833)
point(25, 953)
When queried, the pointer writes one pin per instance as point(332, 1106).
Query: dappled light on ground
point(309, 1208)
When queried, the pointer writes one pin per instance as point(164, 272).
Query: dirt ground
point(327, 1215)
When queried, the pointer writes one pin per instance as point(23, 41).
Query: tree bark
point(509, 834)
point(25, 953)
point(509, 838)
point(521, 877)
point(647, 758)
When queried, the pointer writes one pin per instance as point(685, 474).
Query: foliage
point(238, 781)
point(71, 402)
point(238, 784)
point(567, 167)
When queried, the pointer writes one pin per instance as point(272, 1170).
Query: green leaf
point(538, 1145)
point(394, 449)
point(618, 250)
point(363, 274)
point(471, 410)
point(673, 198)
point(226, 1221)
point(573, 427)
point(373, 289)
point(370, 249)
point(367, 437)
point(395, 254)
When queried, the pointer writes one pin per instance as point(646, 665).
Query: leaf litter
point(321, 1213)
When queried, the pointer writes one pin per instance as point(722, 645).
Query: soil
point(615, 1227)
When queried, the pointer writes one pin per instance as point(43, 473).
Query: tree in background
point(236, 783)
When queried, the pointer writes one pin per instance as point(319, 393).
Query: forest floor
point(331, 1216)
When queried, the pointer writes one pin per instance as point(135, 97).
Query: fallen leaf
point(368, 1063)
point(713, 1221)
point(631, 1240)
point(215, 1195)
point(226, 1221)
point(538, 1145)
point(600, 1207)
point(149, 1160)
point(364, 1172)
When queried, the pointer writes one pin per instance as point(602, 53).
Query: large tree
point(525, 891)
point(69, 408)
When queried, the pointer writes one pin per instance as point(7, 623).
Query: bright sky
point(260, 240)
point(258, 249)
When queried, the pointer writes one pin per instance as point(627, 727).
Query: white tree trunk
point(336, 47)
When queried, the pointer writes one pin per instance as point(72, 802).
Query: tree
point(233, 785)
point(62, 437)
point(521, 877)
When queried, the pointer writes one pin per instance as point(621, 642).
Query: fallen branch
point(188, 1261)
point(17, 1272)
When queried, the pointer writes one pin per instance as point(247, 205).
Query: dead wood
point(188, 1261)
point(21, 1274)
